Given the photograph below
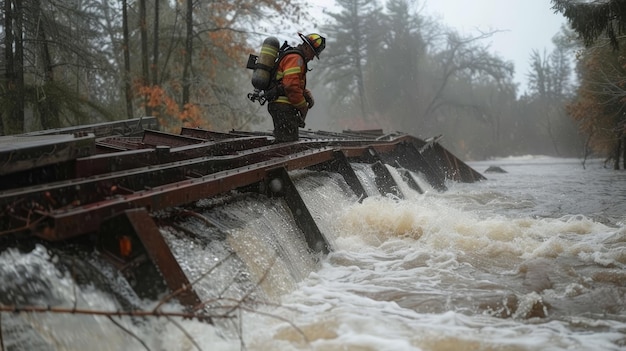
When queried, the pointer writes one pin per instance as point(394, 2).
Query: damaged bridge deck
point(87, 181)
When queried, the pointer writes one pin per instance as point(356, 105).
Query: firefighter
point(294, 100)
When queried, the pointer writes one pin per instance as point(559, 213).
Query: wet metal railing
point(63, 187)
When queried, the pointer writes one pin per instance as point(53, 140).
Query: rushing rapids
point(532, 258)
point(118, 206)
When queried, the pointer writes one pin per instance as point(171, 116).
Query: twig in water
point(128, 332)
point(263, 278)
point(180, 327)
point(185, 287)
point(1, 338)
point(280, 319)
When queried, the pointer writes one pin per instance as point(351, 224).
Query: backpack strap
point(284, 51)
point(275, 88)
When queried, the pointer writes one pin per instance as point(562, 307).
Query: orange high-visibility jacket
point(292, 70)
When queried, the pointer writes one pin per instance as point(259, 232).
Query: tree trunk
point(145, 69)
point(549, 128)
point(127, 86)
point(19, 65)
point(616, 153)
point(13, 121)
point(188, 53)
point(155, 45)
point(9, 66)
point(48, 108)
point(623, 150)
point(359, 64)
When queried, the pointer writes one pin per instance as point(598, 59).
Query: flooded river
point(531, 259)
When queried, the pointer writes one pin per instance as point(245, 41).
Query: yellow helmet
point(315, 41)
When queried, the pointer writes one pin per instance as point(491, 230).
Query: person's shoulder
point(293, 58)
point(293, 52)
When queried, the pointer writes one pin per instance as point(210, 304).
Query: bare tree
point(155, 43)
point(127, 71)
point(145, 66)
point(13, 102)
point(188, 52)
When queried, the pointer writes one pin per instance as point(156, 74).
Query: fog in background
point(493, 79)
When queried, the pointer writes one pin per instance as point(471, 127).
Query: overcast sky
point(526, 25)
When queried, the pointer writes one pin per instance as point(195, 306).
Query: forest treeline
point(386, 66)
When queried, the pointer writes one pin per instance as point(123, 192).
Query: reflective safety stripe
point(289, 71)
point(292, 70)
point(284, 100)
point(269, 50)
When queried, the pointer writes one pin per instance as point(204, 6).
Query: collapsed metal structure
point(102, 183)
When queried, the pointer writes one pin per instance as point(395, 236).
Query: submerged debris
point(495, 169)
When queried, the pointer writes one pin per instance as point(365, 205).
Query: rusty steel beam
point(161, 256)
point(402, 151)
point(129, 159)
point(64, 224)
point(155, 138)
point(448, 164)
point(303, 218)
point(117, 143)
point(124, 127)
point(460, 171)
point(364, 132)
point(22, 208)
point(409, 157)
point(24, 152)
point(207, 134)
point(339, 164)
point(442, 162)
point(149, 168)
point(113, 162)
point(407, 176)
point(384, 180)
point(92, 189)
point(354, 152)
point(225, 146)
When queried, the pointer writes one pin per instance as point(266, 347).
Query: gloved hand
point(309, 98)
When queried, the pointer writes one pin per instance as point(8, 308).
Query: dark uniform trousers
point(286, 120)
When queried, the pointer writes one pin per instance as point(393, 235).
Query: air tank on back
point(265, 63)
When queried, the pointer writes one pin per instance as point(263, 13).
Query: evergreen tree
point(71, 63)
point(49, 47)
point(352, 36)
point(591, 20)
point(601, 72)
point(394, 69)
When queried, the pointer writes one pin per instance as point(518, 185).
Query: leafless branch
point(180, 327)
point(128, 332)
point(1, 337)
point(187, 287)
point(80, 311)
point(295, 327)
